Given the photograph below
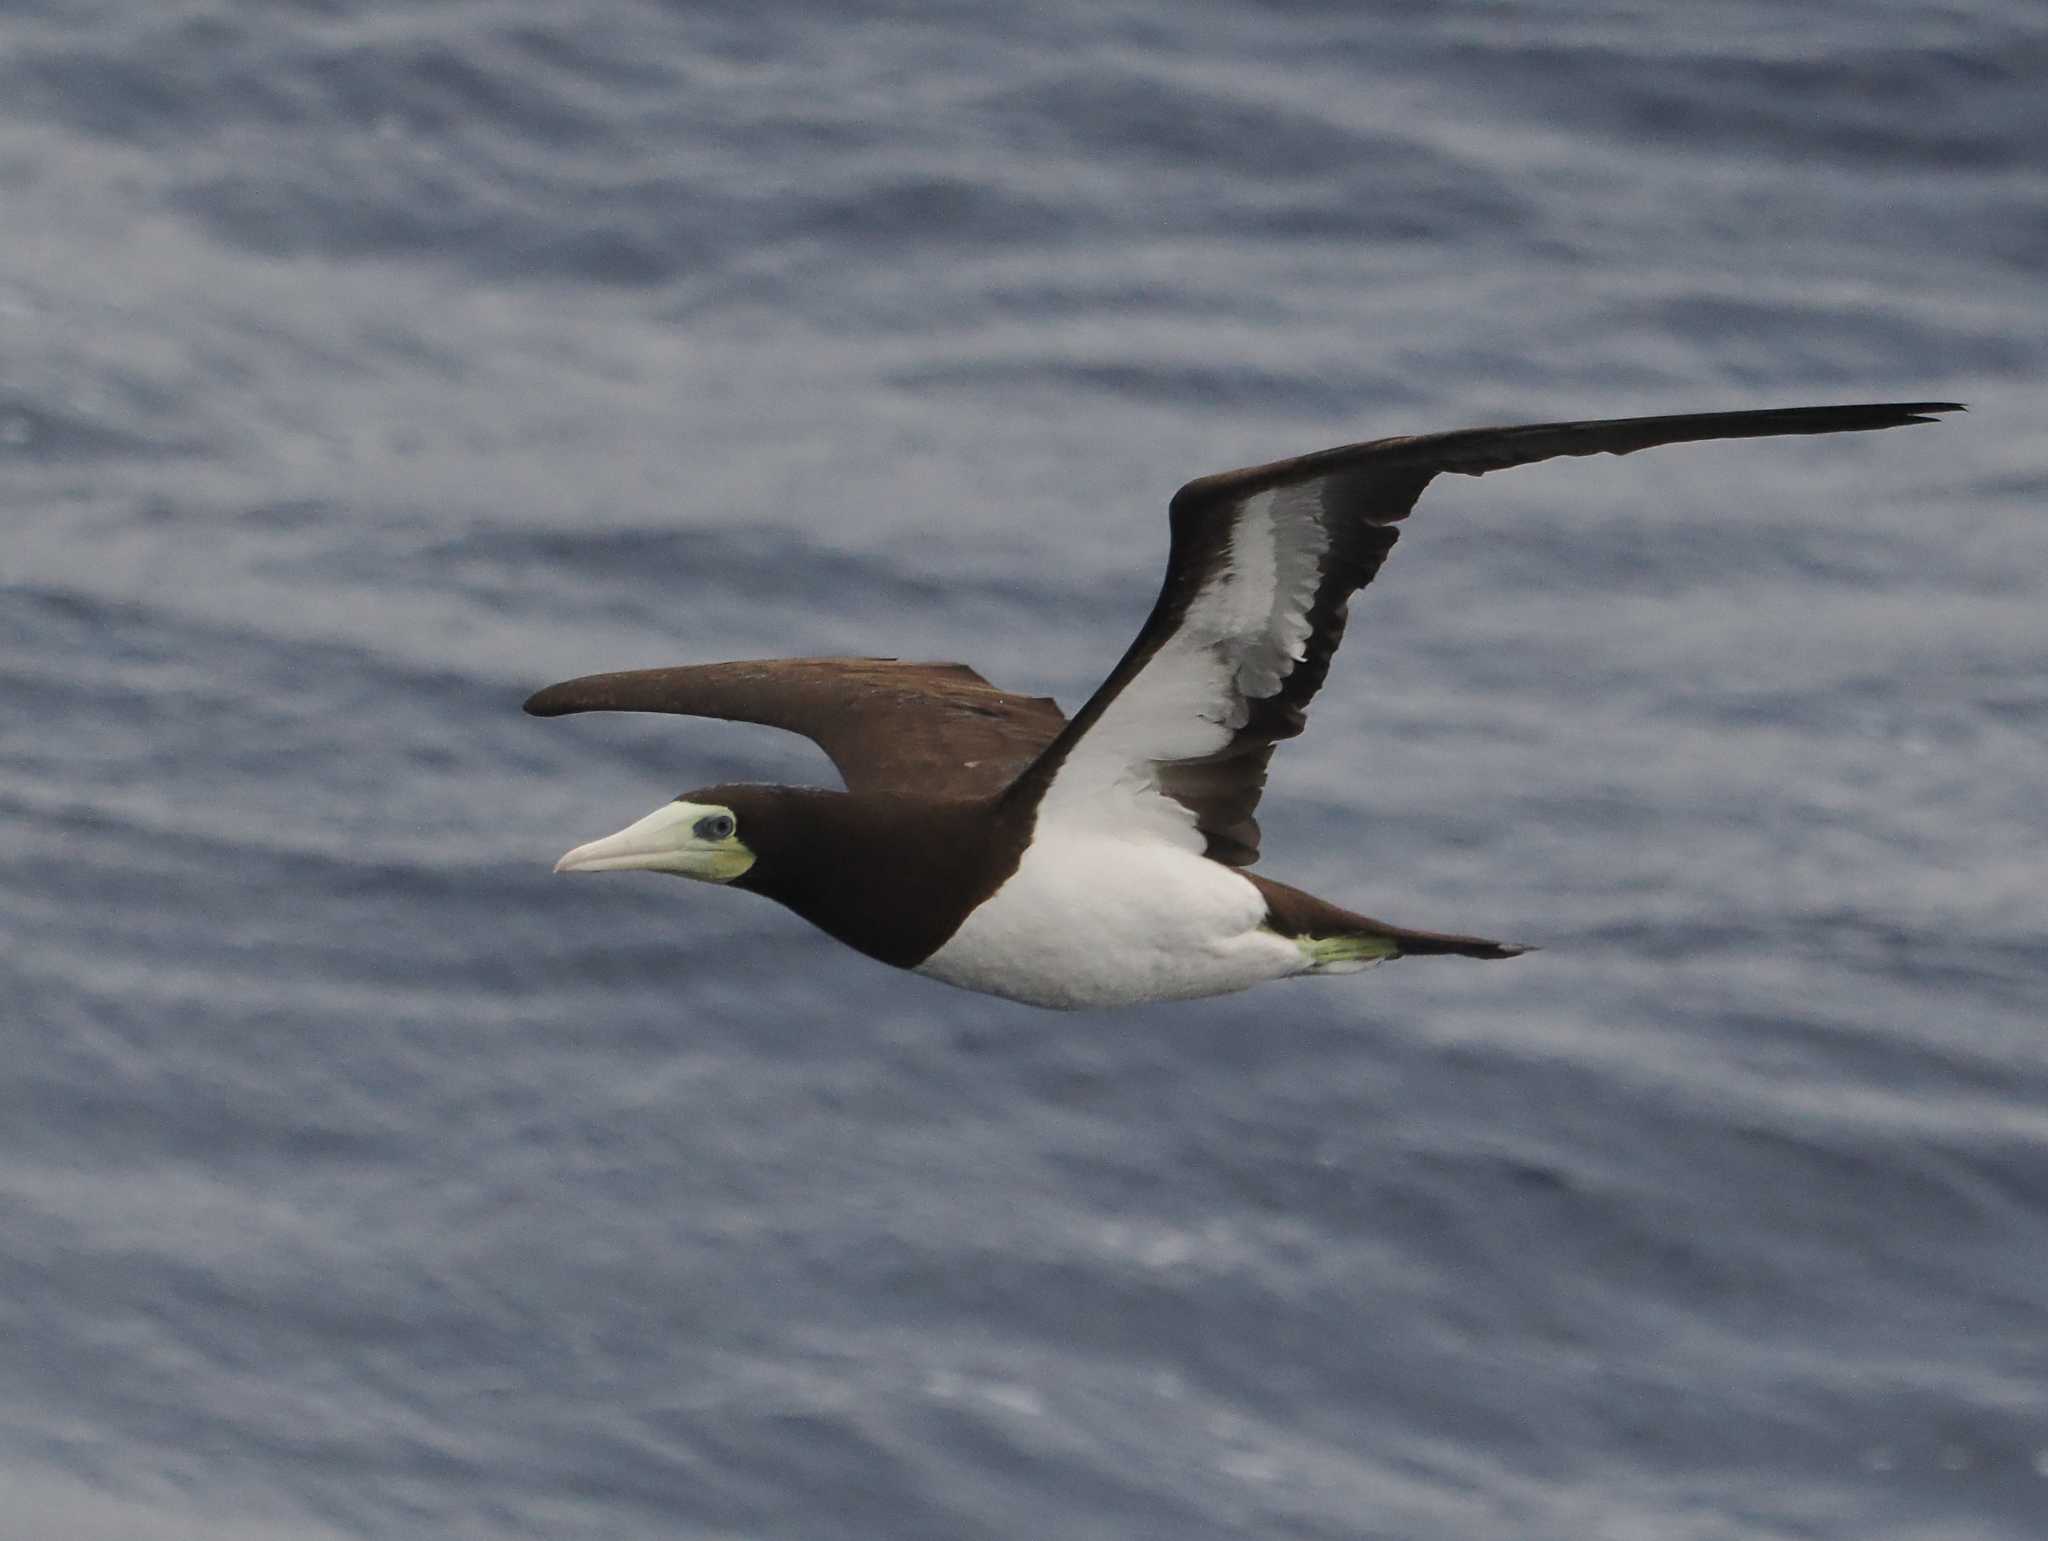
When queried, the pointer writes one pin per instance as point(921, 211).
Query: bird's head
point(696, 836)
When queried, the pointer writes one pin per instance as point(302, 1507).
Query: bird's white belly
point(1092, 920)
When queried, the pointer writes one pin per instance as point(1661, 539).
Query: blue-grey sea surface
point(364, 366)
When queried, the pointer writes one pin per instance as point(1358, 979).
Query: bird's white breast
point(1093, 919)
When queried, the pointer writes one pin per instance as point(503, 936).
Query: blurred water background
point(365, 366)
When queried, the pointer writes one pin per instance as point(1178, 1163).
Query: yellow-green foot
point(1345, 954)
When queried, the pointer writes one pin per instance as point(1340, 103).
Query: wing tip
point(553, 701)
point(1922, 411)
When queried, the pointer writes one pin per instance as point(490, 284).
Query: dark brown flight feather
point(937, 730)
point(1357, 492)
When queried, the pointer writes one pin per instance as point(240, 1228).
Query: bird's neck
point(889, 875)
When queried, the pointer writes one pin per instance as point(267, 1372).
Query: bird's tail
point(1348, 952)
point(1336, 941)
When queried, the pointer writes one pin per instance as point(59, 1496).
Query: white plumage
point(1241, 637)
point(1091, 918)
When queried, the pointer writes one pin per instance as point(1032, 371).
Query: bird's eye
point(714, 826)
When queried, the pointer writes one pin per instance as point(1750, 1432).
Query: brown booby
point(987, 841)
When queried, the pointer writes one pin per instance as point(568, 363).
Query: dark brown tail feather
point(1291, 912)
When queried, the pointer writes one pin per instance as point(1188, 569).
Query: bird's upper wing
point(938, 729)
point(1176, 740)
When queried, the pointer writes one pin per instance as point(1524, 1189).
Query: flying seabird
point(985, 840)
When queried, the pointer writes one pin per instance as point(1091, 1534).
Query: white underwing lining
point(1240, 638)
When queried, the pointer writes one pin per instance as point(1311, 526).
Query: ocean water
point(366, 366)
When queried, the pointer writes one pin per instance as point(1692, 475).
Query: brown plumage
point(936, 729)
point(1360, 491)
point(947, 775)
